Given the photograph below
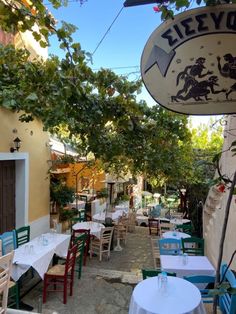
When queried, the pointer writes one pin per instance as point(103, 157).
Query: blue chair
point(227, 302)
point(207, 280)
point(170, 246)
point(8, 242)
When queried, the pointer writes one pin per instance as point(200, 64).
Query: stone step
point(111, 275)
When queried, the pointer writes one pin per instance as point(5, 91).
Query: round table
point(94, 227)
point(175, 235)
point(181, 297)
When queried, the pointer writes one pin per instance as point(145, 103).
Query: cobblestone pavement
point(105, 287)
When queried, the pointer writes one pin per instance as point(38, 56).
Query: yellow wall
point(34, 142)
point(95, 176)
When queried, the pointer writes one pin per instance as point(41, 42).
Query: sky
point(125, 33)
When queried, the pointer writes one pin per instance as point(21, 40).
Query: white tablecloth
point(177, 221)
point(94, 227)
point(113, 215)
point(175, 235)
point(181, 297)
point(41, 255)
point(196, 265)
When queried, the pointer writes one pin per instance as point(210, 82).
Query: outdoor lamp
point(17, 143)
point(183, 191)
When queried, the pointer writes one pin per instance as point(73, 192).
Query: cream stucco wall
point(34, 145)
point(214, 208)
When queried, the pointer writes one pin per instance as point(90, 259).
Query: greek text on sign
point(189, 63)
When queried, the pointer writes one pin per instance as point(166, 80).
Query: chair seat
point(58, 270)
point(11, 284)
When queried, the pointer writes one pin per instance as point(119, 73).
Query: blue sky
point(125, 41)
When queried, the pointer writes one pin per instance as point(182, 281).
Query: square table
point(38, 255)
point(196, 265)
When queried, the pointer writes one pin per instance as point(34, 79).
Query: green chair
point(22, 235)
point(13, 295)
point(186, 228)
point(193, 246)
point(74, 220)
point(154, 272)
point(82, 214)
point(80, 242)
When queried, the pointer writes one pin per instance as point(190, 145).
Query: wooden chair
point(193, 246)
point(186, 228)
point(153, 225)
point(62, 275)
point(73, 221)
point(82, 214)
point(227, 301)
point(121, 229)
point(102, 245)
point(164, 227)
point(22, 235)
point(169, 246)
point(8, 241)
point(154, 272)
point(5, 271)
point(13, 293)
point(201, 279)
point(76, 233)
point(79, 241)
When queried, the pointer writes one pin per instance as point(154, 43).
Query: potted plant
point(61, 194)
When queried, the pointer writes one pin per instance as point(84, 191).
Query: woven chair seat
point(57, 270)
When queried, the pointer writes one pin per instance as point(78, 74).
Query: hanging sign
point(189, 63)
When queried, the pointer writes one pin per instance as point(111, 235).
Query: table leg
point(118, 247)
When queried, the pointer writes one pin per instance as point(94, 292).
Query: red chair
point(76, 233)
point(62, 275)
point(153, 225)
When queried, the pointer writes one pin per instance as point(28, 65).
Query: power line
point(107, 30)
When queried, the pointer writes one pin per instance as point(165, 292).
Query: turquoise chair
point(227, 302)
point(8, 241)
point(170, 246)
point(154, 272)
point(206, 297)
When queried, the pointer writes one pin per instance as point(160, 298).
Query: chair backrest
point(73, 221)
point(153, 225)
point(169, 246)
point(154, 272)
point(193, 246)
point(227, 301)
point(82, 214)
point(5, 266)
point(186, 228)
point(201, 279)
point(77, 232)
point(79, 241)
point(22, 235)
point(106, 235)
point(164, 227)
point(8, 241)
point(70, 260)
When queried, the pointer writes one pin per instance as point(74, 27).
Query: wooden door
point(7, 195)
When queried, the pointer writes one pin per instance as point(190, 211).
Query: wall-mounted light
point(17, 143)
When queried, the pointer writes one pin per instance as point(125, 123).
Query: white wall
point(214, 208)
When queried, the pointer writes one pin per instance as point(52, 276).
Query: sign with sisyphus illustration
point(189, 63)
